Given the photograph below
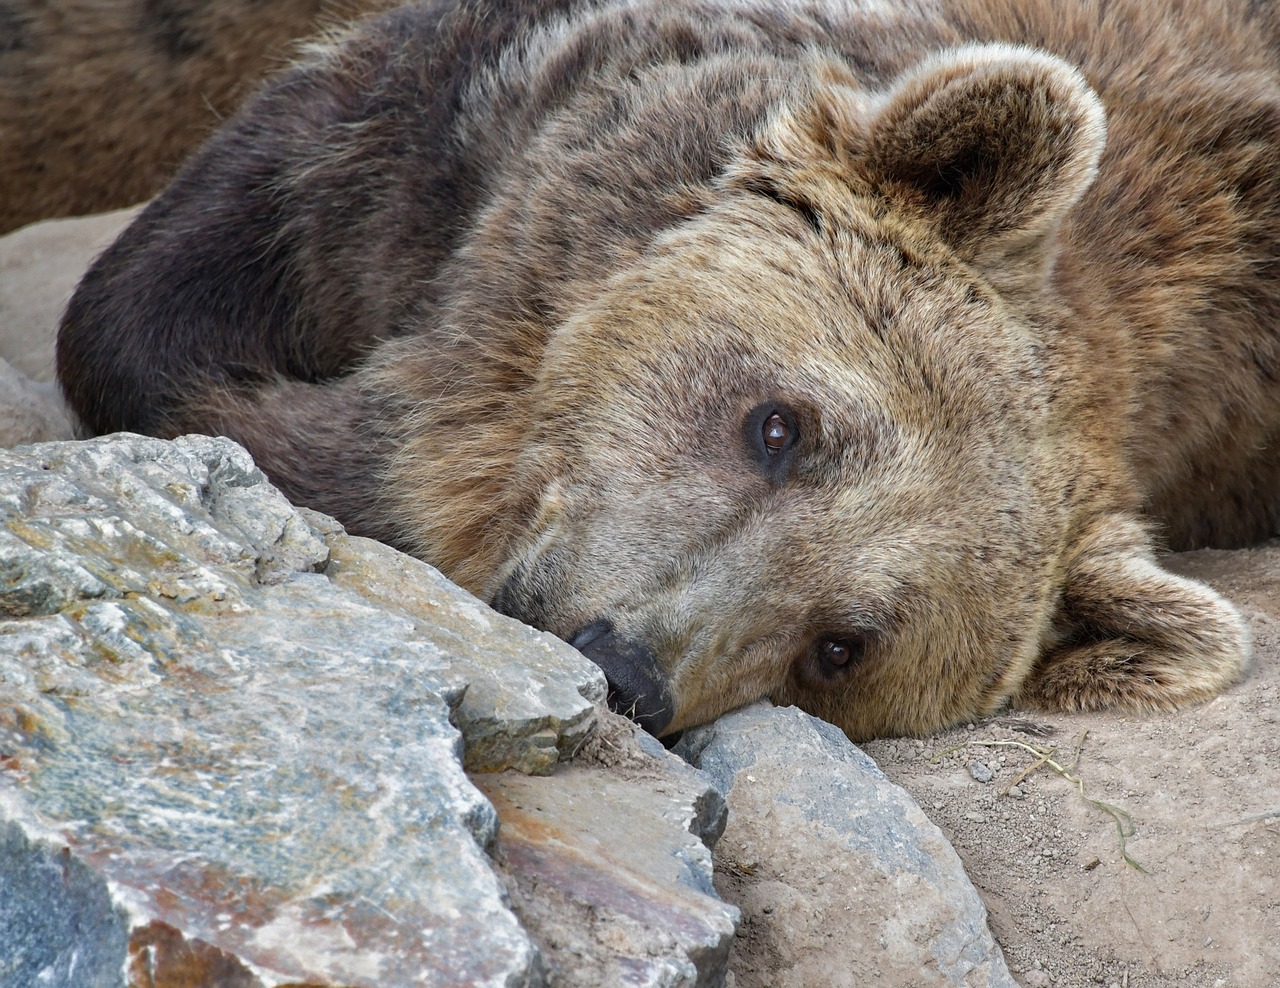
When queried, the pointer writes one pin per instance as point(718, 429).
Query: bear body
point(859, 354)
point(101, 100)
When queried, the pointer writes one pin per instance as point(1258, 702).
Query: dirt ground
point(1197, 905)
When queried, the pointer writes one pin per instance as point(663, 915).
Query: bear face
point(811, 445)
point(754, 506)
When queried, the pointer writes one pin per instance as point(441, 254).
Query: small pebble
point(980, 771)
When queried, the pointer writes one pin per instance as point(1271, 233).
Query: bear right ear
point(992, 144)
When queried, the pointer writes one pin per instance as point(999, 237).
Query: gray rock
point(30, 412)
point(40, 266)
point(811, 818)
point(249, 763)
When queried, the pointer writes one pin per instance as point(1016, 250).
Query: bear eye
point(836, 654)
point(831, 659)
point(771, 432)
point(777, 434)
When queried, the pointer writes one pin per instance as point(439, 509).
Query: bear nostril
point(637, 686)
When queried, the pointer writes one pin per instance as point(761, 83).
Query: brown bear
point(857, 354)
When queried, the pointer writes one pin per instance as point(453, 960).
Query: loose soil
point(1197, 792)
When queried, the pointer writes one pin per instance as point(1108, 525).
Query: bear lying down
point(856, 355)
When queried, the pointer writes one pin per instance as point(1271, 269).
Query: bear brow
point(851, 442)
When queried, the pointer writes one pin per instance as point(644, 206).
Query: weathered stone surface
point(609, 864)
point(525, 719)
point(216, 530)
point(808, 811)
point(229, 756)
point(253, 763)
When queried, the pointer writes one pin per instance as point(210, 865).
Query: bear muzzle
point(637, 687)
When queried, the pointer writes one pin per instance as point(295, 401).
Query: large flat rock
point(235, 745)
point(246, 762)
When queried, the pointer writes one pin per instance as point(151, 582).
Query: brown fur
point(517, 291)
point(102, 100)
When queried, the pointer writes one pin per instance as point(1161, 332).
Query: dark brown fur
point(488, 290)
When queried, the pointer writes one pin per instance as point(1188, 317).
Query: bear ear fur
point(1131, 634)
point(989, 144)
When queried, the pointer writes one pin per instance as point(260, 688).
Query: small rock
point(979, 771)
point(530, 698)
point(40, 266)
point(842, 814)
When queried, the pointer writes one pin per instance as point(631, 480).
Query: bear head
point(819, 444)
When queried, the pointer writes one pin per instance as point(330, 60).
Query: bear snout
point(637, 687)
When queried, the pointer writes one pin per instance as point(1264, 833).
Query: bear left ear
point(989, 144)
point(1131, 634)
point(993, 144)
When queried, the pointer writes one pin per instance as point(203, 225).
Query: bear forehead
point(751, 281)
point(844, 326)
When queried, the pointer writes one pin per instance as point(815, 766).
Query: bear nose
point(637, 687)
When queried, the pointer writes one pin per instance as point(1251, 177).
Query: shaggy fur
point(857, 354)
point(102, 100)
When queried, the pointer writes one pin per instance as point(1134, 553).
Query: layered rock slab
point(616, 848)
point(211, 736)
point(821, 848)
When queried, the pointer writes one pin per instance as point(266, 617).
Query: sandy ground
point(1198, 793)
